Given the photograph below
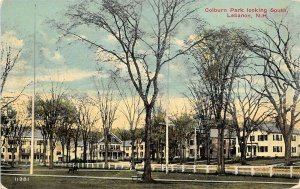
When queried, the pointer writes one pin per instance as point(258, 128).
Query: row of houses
point(267, 141)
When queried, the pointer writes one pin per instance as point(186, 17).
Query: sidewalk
point(297, 186)
point(161, 180)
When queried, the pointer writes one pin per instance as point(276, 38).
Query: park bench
point(138, 176)
point(73, 169)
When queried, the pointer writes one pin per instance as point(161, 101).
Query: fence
point(94, 165)
point(267, 171)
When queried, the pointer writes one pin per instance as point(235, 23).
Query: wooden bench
point(138, 176)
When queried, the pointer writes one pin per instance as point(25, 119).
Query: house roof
point(113, 136)
point(272, 128)
point(214, 133)
point(37, 134)
point(127, 143)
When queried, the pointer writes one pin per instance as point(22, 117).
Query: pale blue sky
point(76, 63)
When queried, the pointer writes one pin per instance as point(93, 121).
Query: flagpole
point(33, 99)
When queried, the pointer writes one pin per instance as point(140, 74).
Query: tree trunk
point(91, 151)
point(243, 153)
point(75, 145)
point(13, 156)
point(106, 148)
point(132, 154)
point(84, 151)
point(221, 163)
point(44, 151)
point(287, 153)
point(158, 151)
point(20, 153)
point(63, 152)
point(68, 153)
point(51, 153)
point(208, 148)
point(147, 162)
point(181, 154)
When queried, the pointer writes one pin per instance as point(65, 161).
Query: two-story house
point(267, 141)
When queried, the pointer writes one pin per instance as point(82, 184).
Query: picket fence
point(269, 171)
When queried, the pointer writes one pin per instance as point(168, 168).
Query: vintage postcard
point(150, 94)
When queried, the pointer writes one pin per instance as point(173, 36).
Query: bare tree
point(14, 131)
point(132, 111)
point(184, 125)
point(48, 109)
point(65, 125)
point(158, 135)
point(248, 110)
point(86, 120)
point(8, 59)
point(93, 139)
point(143, 45)
point(107, 105)
point(217, 64)
point(200, 101)
point(40, 126)
point(280, 74)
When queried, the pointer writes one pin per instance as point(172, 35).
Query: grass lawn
point(65, 183)
point(269, 161)
point(78, 183)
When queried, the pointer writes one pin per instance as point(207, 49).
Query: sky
point(75, 63)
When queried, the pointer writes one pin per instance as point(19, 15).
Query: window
point(249, 148)
point(239, 149)
point(252, 138)
point(2, 156)
point(141, 147)
point(9, 157)
point(127, 148)
point(141, 154)
point(262, 137)
point(3, 149)
point(293, 149)
point(277, 137)
point(277, 148)
point(127, 154)
point(294, 138)
point(12, 149)
point(263, 149)
point(191, 142)
point(191, 151)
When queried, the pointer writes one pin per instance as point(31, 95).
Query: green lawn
point(269, 161)
point(65, 183)
point(78, 183)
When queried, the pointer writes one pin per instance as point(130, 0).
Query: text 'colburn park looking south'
point(246, 12)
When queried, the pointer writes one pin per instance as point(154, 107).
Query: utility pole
point(167, 123)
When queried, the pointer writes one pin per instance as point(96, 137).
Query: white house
point(267, 141)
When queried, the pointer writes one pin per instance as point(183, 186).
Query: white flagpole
point(33, 99)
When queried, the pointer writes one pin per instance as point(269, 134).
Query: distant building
point(229, 144)
point(115, 152)
point(267, 141)
point(139, 149)
point(24, 155)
